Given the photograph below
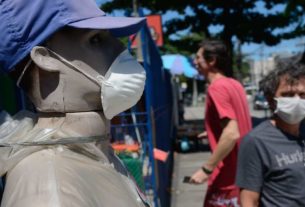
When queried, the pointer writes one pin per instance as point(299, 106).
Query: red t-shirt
point(226, 98)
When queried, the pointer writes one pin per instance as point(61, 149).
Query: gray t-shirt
point(271, 163)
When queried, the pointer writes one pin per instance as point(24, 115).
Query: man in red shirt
point(227, 120)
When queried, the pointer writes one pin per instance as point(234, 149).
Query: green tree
point(296, 10)
point(236, 19)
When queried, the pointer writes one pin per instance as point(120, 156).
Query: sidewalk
point(194, 113)
point(185, 164)
point(184, 194)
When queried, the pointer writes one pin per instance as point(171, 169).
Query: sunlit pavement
point(184, 194)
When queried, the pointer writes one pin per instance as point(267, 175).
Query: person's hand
point(202, 135)
point(199, 177)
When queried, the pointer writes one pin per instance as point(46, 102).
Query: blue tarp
point(159, 92)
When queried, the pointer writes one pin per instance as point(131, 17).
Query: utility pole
point(239, 61)
point(139, 52)
point(262, 62)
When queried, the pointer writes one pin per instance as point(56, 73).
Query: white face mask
point(290, 110)
point(121, 87)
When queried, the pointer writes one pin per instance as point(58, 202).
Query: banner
point(154, 24)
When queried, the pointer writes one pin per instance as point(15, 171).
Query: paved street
point(183, 194)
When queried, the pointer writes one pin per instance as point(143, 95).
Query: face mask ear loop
point(276, 103)
point(74, 67)
point(103, 80)
point(23, 71)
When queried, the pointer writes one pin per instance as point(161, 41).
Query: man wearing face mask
point(271, 160)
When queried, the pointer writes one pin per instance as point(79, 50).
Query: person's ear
point(212, 61)
point(272, 103)
point(42, 58)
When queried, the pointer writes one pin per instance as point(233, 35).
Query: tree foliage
point(248, 21)
point(296, 9)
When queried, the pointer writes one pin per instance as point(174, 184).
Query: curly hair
point(292, 69)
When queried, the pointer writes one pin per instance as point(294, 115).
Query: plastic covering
point(78, 175)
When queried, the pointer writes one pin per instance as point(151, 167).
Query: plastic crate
point(134, 166)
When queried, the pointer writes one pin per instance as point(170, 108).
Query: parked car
point(260, 102)
point(250, 91)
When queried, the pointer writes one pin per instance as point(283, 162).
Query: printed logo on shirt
point(288, 159)
point(219, 201)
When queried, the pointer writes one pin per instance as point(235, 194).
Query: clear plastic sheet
point(78, 175)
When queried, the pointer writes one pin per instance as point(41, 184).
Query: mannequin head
point(73, 30)
point(53, 86)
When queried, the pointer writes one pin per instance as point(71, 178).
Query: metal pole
point(139, 52)
point(239, 61)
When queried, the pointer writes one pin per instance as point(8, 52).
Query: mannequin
point(69, 102)
point(65, 57)
point(61, 93)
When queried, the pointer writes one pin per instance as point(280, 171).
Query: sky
point(285, 47)
point(251, 50)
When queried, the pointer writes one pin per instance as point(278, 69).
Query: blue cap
point(27, 23)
